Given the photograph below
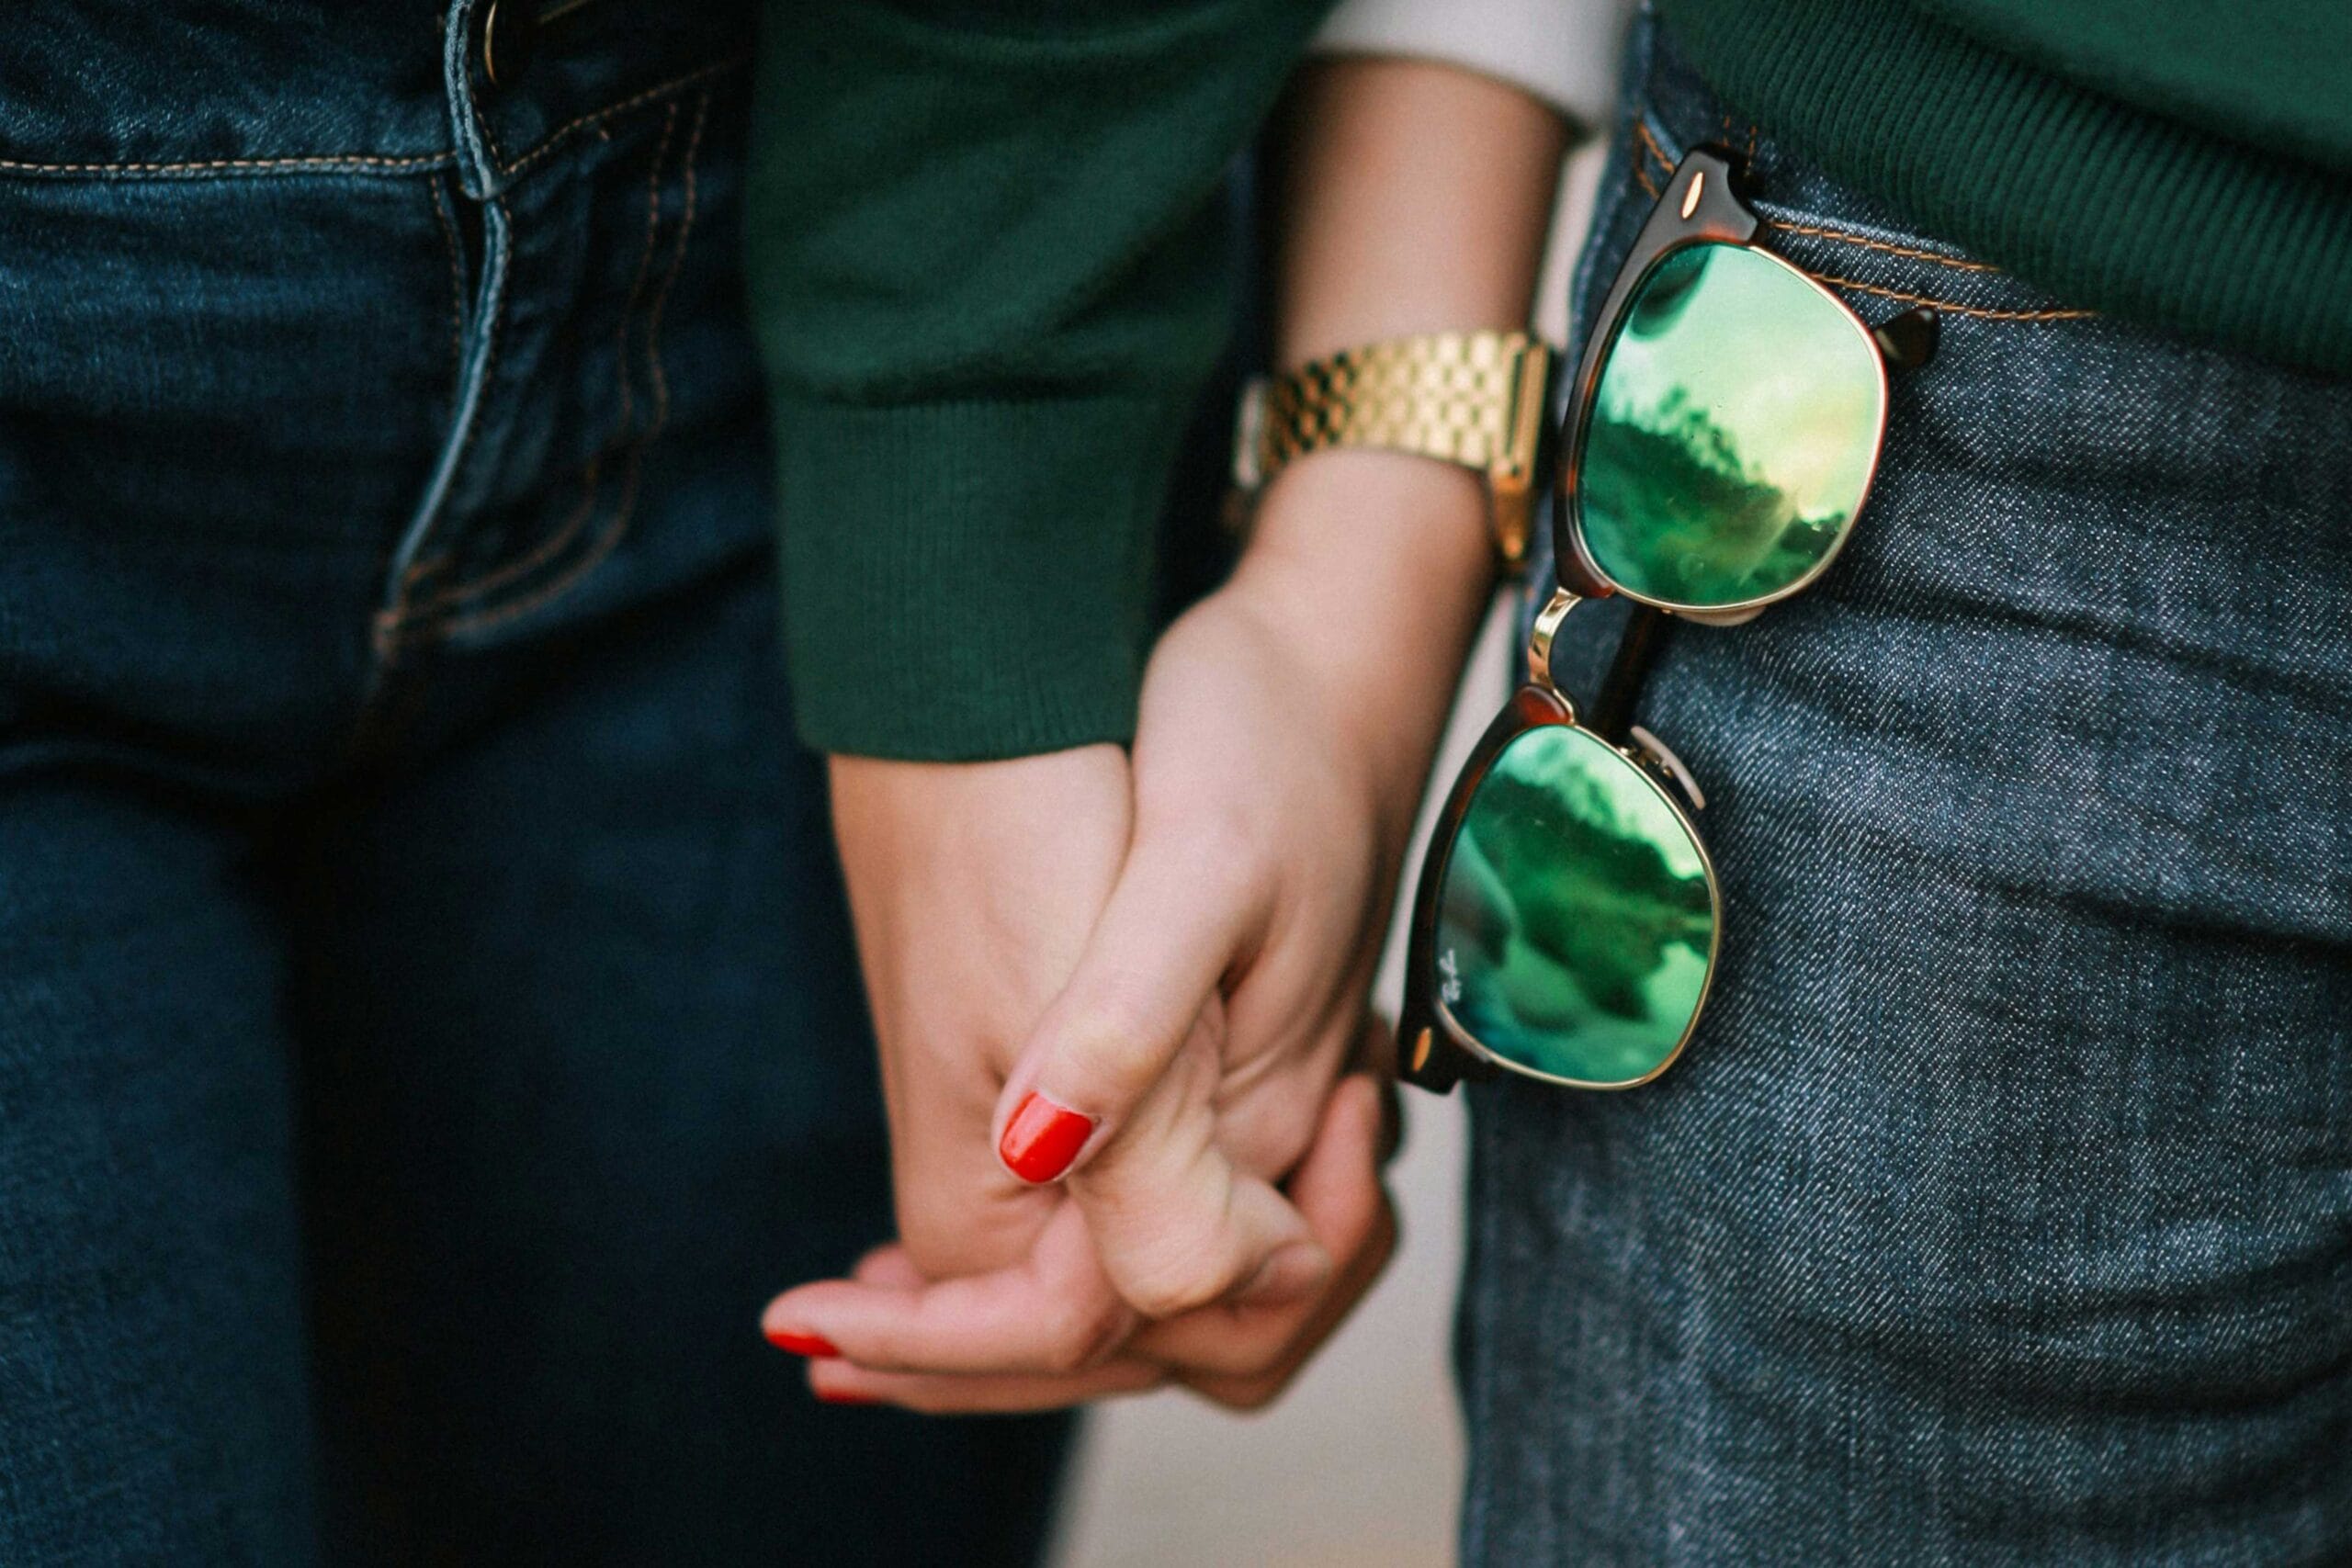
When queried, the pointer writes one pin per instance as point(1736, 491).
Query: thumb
point(1176, 1224)
point(1170, 932)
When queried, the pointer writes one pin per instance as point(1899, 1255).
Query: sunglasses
point(1724, 427)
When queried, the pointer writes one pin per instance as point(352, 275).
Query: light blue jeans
point(2001, 1211)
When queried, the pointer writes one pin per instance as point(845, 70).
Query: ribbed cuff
point(966, 580)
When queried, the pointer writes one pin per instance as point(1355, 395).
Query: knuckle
point(939, 1250)
point(1117, 1042)
point(1171, 1293)
point(1078, 1336)
point(1192, 1255)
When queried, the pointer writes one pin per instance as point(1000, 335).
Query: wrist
point(1373, 571)
point(1388, 536)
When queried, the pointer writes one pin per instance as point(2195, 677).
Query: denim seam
point(547, 143)
point(365, 163)
point(555, 543)
point(318, 163)
point(418, 571)
point(2060, 314)
point(457, 279)
point(1847, 236)
point(390, 621)
point(627, 506)
point(1731, 135)
point(677, 261)
point(1648, 144)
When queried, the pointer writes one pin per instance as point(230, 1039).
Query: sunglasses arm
point(1908, 341)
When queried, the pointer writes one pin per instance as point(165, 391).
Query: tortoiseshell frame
point(1698, 205)
point(1434, 1052)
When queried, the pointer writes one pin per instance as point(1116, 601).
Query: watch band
point(1481, 400)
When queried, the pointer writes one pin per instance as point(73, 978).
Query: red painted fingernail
point(839, 1396)
point(814, 1346)
point(1042, 1138)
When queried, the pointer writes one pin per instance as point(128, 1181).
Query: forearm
point(1414, 197)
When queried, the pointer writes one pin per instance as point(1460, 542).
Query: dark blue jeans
point(2001, 1211)
point(429, 1026)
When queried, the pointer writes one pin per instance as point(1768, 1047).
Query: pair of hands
point(1178, 945)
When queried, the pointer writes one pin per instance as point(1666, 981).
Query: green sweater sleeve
point(988, 267)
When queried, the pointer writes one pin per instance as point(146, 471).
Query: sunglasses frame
point(1435, 1051)
point(1698, 206)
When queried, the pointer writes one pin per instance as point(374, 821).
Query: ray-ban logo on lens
point(1450, 991)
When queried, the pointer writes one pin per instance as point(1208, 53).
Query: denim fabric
point(2001, 1209)
point(429, 1025)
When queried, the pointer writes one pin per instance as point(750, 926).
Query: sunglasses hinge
point(1540, 638)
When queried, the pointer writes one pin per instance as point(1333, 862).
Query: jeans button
point(510, 29)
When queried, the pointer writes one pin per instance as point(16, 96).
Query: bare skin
point(1180, 945)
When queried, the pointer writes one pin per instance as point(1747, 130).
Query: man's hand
point(974, 886)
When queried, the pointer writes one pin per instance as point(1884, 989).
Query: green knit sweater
point(2182, 162)
point(987, 267)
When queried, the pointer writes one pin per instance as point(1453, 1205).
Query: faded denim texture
point(2001, 1211)
point(429, 1025)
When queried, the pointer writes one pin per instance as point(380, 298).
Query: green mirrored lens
point(1576, 924)
point(1733, 431)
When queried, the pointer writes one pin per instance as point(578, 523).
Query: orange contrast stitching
point(547, 144)
point(1955, 307)
point(1955, 262)
point(314, 161)
point(618, 528)
point(1649, 144)
point(481, 124)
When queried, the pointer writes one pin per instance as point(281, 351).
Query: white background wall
point(1360, 1464)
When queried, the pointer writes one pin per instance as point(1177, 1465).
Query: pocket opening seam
point(1647, 144)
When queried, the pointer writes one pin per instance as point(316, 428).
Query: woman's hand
point(1286, 734)
point(1288, 720)
point(1240, 924)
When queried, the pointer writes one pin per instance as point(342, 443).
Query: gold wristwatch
point(1481, 400)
